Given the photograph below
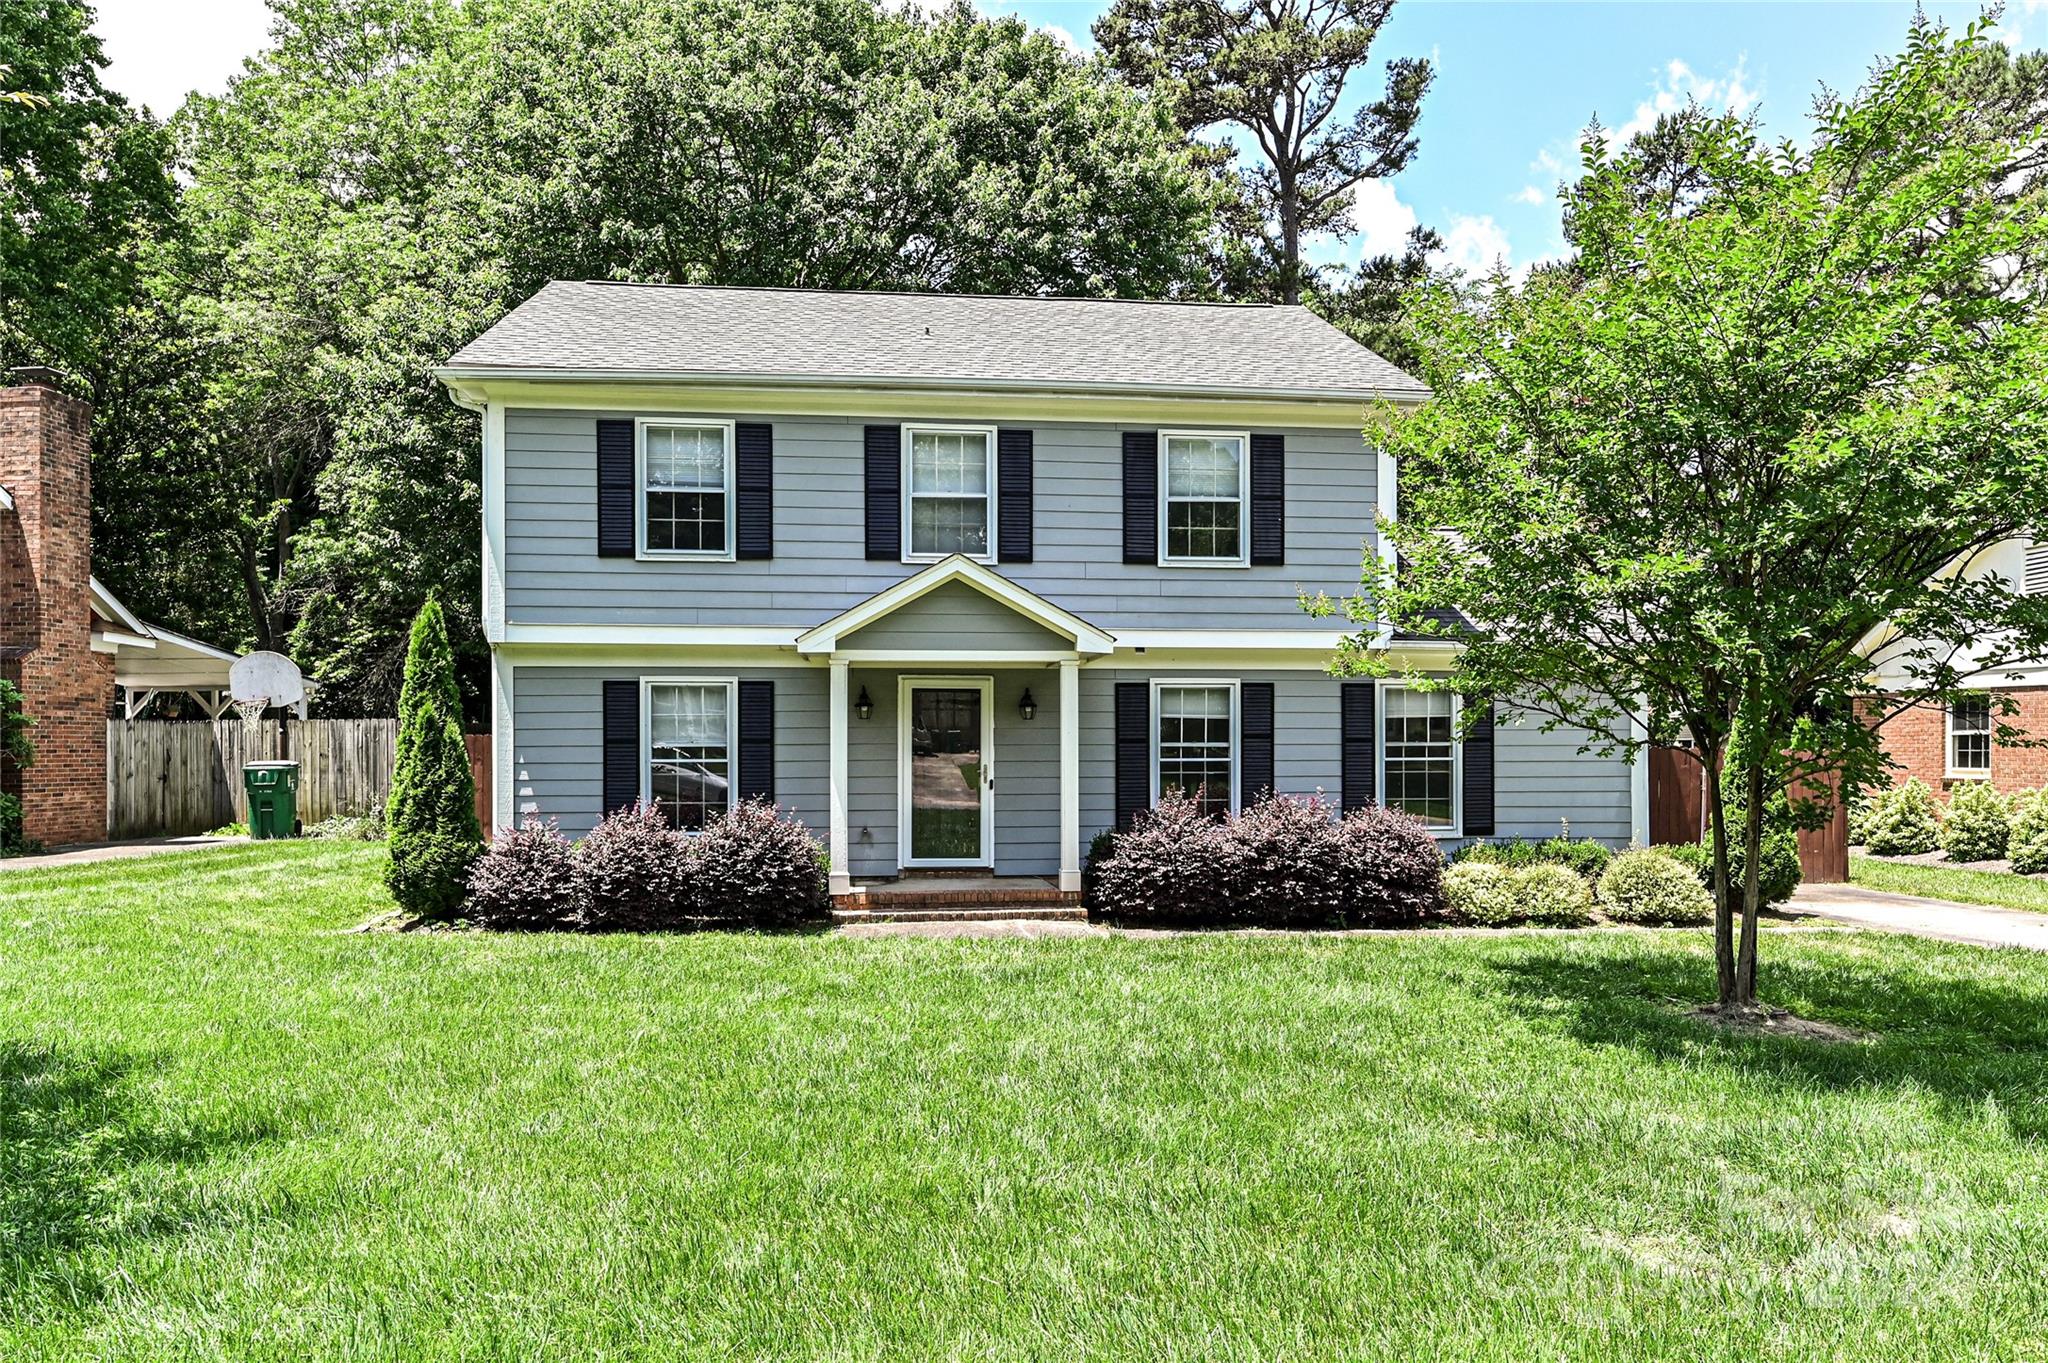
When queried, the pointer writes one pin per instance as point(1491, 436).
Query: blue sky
point(1517, 81)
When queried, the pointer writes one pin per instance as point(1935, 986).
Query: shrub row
point(1979, 824)
point(1583, 855)
point(1646, 886)
point(754, 867)
point(1283, 862)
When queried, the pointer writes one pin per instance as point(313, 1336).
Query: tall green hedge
point(432, 814)
point(17, 752)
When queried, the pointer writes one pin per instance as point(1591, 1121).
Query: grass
point(1951, 882)
point(232, 1129)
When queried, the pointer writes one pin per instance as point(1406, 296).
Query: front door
point(947, 777)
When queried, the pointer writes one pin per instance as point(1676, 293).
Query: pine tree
point(432, 814)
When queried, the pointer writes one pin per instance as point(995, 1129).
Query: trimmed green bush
point(1650, 886)
point(432, 812)
point(16, 753)
point(1489, 894)
point(1780, 874)
point(2027, 843)
point(1978, 823)
point(1902, 822)
point(1583, 855)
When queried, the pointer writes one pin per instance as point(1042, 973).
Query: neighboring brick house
point(1944, 747)
point(65, 640)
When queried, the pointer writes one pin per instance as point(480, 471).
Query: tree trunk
point(1752, 885)
point(1724, 921)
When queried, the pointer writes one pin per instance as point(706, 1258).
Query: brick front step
point(937, 894)
point(962, 913)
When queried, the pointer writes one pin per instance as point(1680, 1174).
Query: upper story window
point(1421, 755)
point(949, 492)
point(686, 489)
point(1196, 751)
point(689, 728)
point(1969, 737)
point(1203, 490)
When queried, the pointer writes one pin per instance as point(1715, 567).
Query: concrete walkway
point(1977, 924)
point(112, 851)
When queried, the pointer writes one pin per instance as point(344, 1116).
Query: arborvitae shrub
point(432, 812)
point(16, 754)
point(527, 881)
point(755, 867)
point(631, 870)
point(1978, 823)
point(2027, 844)
point(1650, 886)
point(1902, 822)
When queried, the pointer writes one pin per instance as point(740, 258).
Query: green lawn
point(1951, 882)
point(232, 1129)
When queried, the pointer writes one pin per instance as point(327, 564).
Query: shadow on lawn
point(85, 1167)
point(1961, 1039)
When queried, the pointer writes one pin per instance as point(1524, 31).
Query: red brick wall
point(46, 611)
point(1918, 739)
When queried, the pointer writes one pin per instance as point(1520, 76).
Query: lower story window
point(1422, 755)
point(1197, 743)
point(689, 754)
point(1969, 736)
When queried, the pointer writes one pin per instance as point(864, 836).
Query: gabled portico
point(947, 626)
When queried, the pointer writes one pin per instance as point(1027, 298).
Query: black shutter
point(1357, 707)
point(884, 447)
point(621, 745)
point(615, 490)
point(1255, 740)
point(754, 484)
point(1141, 497)
point(1269, 499)
point(1013, 496)
point(757, 740)
point(1133, 751)
point(1478, 776)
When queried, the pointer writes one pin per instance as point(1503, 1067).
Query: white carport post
point(1070, 775)
point(841, 879)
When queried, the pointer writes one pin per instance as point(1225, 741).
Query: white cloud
point(1062, 37)
point(156, 53)
point(1383, 220)
point(2018, 19)
point(1547, 162)
point(1680, 85)
point(1473, 244)
point(1530, 194)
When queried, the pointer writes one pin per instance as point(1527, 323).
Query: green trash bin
point(273, 791)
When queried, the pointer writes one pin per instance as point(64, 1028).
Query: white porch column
point(1070, 775)
point(841, 879)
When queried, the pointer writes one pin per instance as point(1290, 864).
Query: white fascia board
point(110, 607)
point(184, 643)
point(6, 500)
point(824, 638)
point(648, 636)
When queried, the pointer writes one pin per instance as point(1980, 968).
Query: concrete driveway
point(112, 851)
point(1978, 924)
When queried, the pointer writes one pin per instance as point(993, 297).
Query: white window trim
point(732, 734)
point(1244, 500)
point(1379, 747)
point(1236, 731)
point(641, 426)
point(986, 685)
point(910, 428)
point(1948, 746)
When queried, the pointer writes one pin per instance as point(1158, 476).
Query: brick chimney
point(46, 608)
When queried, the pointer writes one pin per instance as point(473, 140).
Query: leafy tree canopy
point(1708, 474)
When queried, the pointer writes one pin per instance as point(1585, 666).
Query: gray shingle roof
point(644, 330)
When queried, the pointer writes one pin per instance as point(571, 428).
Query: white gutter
point(6, 500)
point(450, 374)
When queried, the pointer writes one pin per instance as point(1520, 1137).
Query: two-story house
point(961, 580)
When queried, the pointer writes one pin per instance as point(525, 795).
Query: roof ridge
point(926, 293)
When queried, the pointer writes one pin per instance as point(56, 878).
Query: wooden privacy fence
point(1678, 813)
point(172, 778)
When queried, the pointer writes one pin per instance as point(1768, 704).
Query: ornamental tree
point(432, 813)
point(1752, 440)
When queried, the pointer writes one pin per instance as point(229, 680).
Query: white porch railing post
point(1070, 776)
point(841, 877)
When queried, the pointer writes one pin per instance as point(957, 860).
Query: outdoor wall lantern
point(863, 706)
point(1026, 706)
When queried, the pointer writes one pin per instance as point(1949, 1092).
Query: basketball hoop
point(251, 712)
point(262, 680)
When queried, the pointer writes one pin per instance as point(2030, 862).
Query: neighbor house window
point(689, 750)
point(1202, 491)
point(686, 490)
point(1421, 755)
point(1198, 742)
point(1969, 737)
point(948, 491)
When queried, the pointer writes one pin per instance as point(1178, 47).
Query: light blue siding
point(956, 616)
point(553, 574)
